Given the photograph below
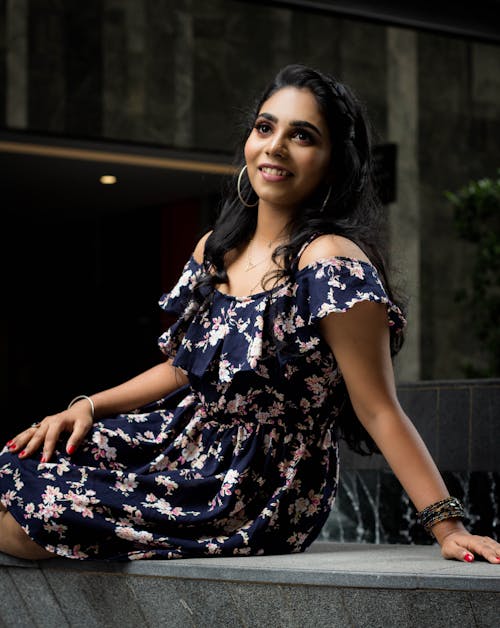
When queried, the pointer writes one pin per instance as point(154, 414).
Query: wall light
point(108, 179)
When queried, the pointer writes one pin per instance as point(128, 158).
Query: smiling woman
point(285, 328)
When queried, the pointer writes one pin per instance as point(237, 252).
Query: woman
point(284, 333)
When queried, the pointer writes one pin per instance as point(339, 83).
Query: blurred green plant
point(476, 215)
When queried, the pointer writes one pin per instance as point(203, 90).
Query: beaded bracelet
point(89, 399)
point(448, 508)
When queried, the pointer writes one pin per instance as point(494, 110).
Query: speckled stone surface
point(331, 584)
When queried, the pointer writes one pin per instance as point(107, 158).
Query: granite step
point(332, 584)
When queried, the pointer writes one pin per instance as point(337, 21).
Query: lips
point(274, 171)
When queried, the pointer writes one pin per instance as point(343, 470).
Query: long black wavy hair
point(352, 209)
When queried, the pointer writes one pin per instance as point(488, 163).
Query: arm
point(359, 340)
point(149, 386)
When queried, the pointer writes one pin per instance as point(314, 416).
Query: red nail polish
point(43, 459)
point(469, 558)
point(9, 443)
point(71, 450)
point(12, 446)
point(23, 453)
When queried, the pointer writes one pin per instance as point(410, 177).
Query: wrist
point(443, 529)
point(81, 399)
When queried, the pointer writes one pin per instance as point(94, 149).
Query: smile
point(276, 172)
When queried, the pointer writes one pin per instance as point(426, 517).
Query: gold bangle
point(89, 399)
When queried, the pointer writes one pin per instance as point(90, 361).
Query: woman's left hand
point(464, 546)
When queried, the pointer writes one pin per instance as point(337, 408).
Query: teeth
point(275, 172)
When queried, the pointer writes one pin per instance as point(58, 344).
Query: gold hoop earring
point(238, 187)
point(327, 197)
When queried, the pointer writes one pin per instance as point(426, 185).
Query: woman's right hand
point(76, 420)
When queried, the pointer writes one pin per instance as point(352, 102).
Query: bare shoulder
point(331, 245)
point(200, 248)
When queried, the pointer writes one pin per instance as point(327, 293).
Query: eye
point(302, 136)
point(264, 128)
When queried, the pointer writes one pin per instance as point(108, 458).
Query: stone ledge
point(332, 583)
point(324, 564)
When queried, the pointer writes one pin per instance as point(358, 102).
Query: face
point(288, 151)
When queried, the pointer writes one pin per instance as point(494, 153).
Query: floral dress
point(243, 460)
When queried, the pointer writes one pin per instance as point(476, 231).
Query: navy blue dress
point(243, 460)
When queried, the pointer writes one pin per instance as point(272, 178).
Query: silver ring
point(35, 425)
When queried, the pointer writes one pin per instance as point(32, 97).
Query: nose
point(276, 146)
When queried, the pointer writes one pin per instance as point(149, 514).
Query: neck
point(272, 223)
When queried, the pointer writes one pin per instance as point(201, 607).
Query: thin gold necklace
point(250, 265)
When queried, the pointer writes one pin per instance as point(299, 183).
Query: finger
point(19, 441)
point(464, 548)
point(486, 547)
point(51, 437)
point(79, 432)
point(453, 550)
point(29, 441)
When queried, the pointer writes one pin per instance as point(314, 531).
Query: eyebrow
point(294, 123)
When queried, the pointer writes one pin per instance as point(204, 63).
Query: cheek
point(317, 166)
point(250, 149)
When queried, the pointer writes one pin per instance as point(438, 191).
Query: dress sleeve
point(180, 303)
point(337, 284)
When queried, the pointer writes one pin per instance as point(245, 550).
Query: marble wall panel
point(48, 38)
point(484, 428)
point(161, 79)
point(459, 113)
point(84, 69)
point(363, 65)
point(485, 87)
point(454, 437)
point(16, 63)
point(3, 61)
point(372, 507)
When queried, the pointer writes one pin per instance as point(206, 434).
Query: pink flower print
point(242, 324)
point(314, 503)
point(277, 328)
point(356, 270)
point(49, 511)
point(254, 351)
point(126, 484)
point(165, 508)
point(199, 462)
point(191, 451)
point(213, 548)
point(57, 528)
point(8, 498)
point(218, 331)
point(80, 502)
point(137, 536)
point(63, 466)
point(52, 494)
point(167, 482)
point(102, 448)
point(224, 370)
point(259, 322)
point(232, 476)
point(5, 470)
point(133, 516)
point(298, 508)
point(29, 510)
point(277, 409)
point(237, 405)
point(307, 345)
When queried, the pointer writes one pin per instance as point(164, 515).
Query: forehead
point(293, 103)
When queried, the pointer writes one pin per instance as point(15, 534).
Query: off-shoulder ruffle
point(336, 284)
point(234, 331)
